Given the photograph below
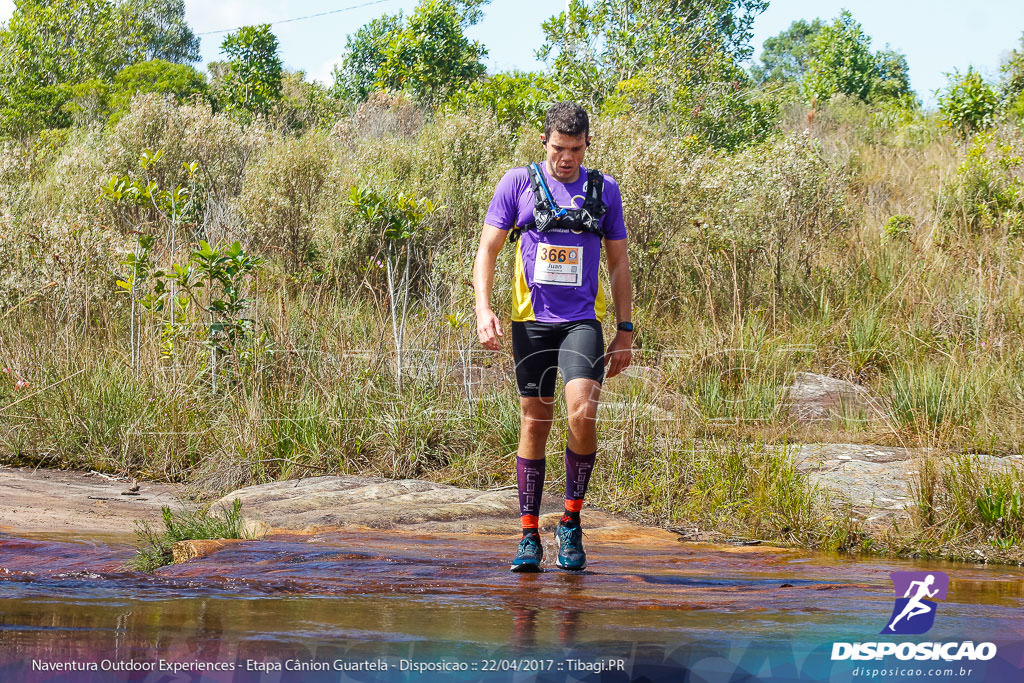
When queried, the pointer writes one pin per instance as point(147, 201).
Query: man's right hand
point(488, 329)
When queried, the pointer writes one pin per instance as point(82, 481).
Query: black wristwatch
point(625, 326)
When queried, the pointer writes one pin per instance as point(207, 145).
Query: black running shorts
point(541, 349)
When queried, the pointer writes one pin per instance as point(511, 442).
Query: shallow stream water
point(386, 605)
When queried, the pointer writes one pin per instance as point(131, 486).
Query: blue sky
point(936, 35)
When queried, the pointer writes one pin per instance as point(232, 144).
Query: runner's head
point(566, 137)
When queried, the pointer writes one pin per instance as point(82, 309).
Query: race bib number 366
point(558, 265)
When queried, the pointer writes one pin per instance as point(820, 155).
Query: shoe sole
point(571, 569)
point(526, 568)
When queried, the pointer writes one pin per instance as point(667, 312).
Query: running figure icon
point(914, 606)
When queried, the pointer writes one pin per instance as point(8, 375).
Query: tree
point(1013, 73)
point(431, 57)
point(428, 56)
point(253, 81)
point(786, 56)
point(356, 77)
point(674, 59)
point(892, 75)
point(516, 99)
point(156, 75)
point(49, 46)
point(841, 62)
point(591, 50)
point(95, 100)
point(168, 35)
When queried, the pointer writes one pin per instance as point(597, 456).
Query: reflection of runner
point(559, 217)
point(914, 606)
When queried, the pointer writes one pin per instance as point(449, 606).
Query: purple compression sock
point(577, 473)
point(530, 477)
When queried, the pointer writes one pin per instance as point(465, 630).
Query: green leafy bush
point(898, 227)
point(988, 193)
point(155, 76)
point(304, 105)
point(516, 99)
point(252, 84)
point(968, 103)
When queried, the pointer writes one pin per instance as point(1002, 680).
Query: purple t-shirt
point(556, 272)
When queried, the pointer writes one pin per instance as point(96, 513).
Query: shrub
point(155, 76)
point(186, 133)
point(303, 105)
point(285, 192)
point(760, 220)
point(649, 165)
point(898, 227)
point(387, 114)
point(988, 193)
point(68, 188)
point(968, 103)
point(59, 260)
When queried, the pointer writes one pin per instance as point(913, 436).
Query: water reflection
point(373, 593)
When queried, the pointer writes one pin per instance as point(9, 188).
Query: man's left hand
point(619, 354)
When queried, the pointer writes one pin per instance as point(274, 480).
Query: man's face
point(565, 154)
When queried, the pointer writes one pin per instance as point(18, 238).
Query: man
point(559, 213)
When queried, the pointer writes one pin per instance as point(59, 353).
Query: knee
point(583, 417)
point(536, 422)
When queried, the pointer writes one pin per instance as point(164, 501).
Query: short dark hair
point(568, 118)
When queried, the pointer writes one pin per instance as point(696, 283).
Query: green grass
point(934, 401)
point(965, 509)
point(155, 546)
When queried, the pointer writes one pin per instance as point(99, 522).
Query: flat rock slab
point(874, 479)
point(37, 500)
point(327, 502)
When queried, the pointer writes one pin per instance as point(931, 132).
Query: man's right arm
point(488, 327)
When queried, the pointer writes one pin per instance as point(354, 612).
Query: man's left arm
point(620, 351)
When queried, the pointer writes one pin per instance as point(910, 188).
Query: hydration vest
point(547, 214)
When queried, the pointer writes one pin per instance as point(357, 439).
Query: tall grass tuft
point(155, 546)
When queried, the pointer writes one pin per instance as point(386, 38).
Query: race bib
point(558, 265)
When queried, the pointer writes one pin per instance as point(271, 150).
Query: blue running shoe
point(529, 555)
point(570, 547)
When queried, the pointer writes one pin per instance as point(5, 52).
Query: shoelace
point(528, 541)
point(572, 536)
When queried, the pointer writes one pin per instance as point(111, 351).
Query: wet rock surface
point(327, 502)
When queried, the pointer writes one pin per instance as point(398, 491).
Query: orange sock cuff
point(530, 521)
point(574, 505)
